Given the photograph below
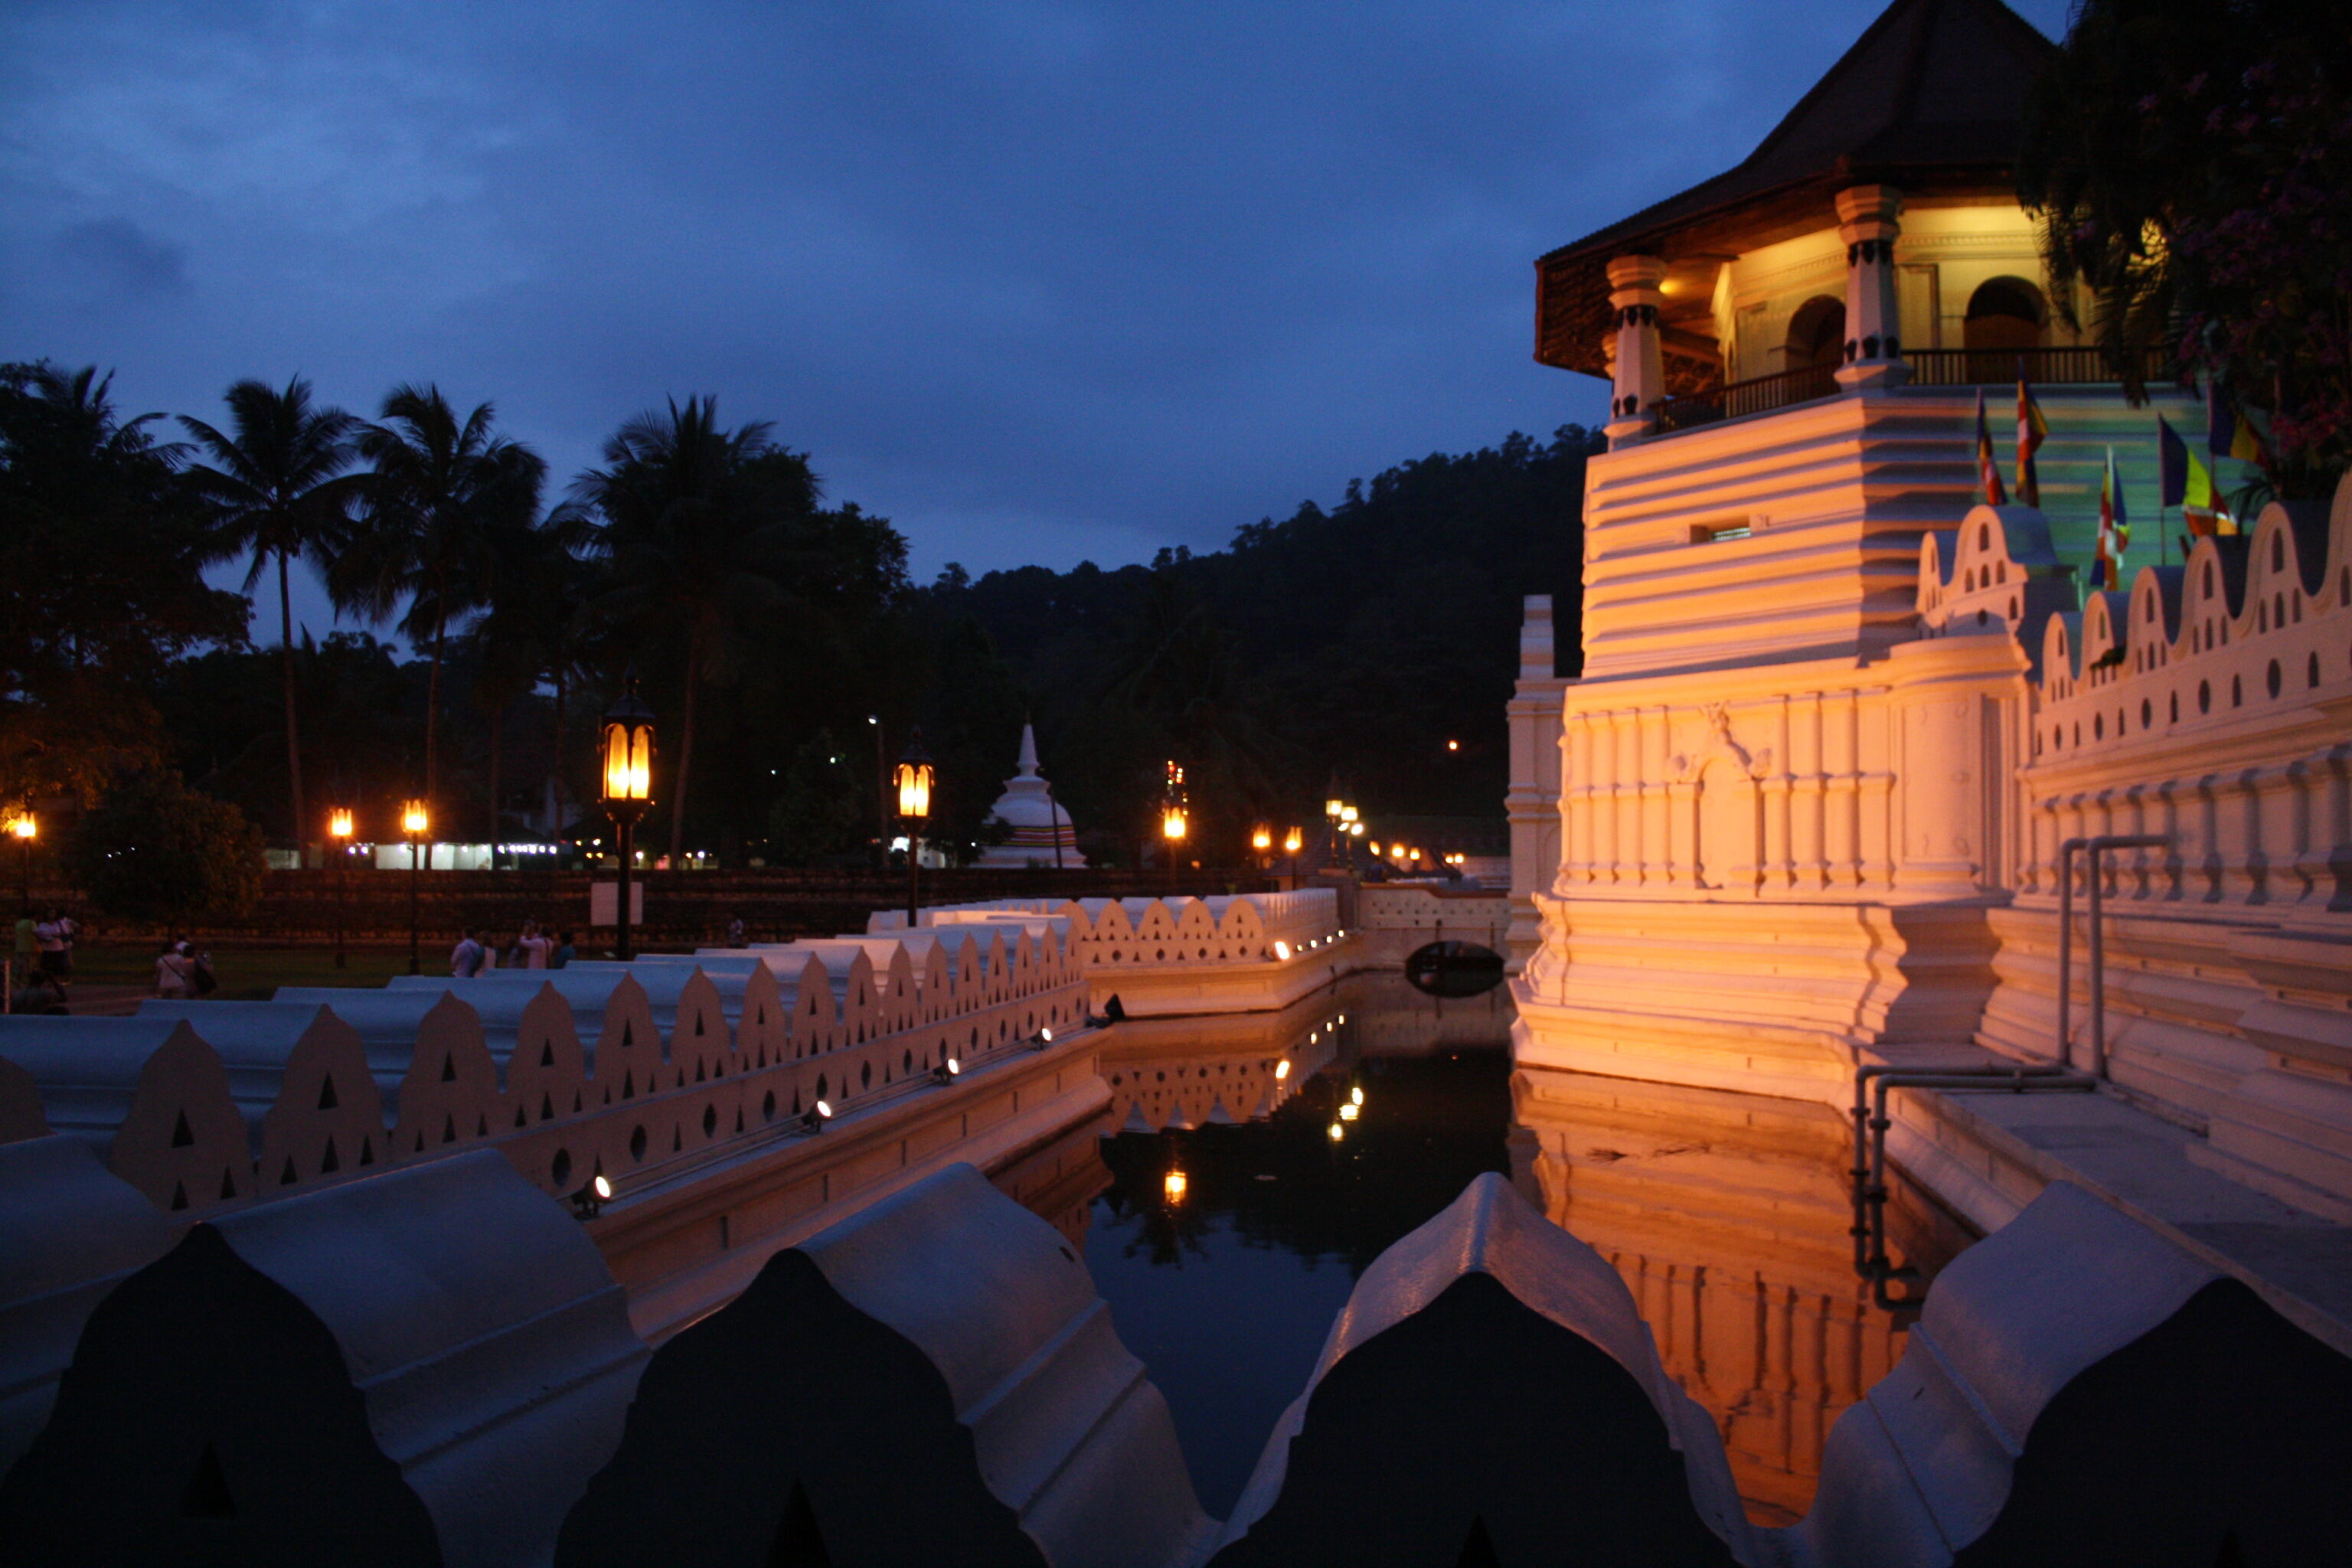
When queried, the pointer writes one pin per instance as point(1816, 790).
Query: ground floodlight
point(589, 1201)
point(813, 1119)
point(947, 1071)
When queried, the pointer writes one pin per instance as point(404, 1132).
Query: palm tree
point(278, 488)
point(441, 490)
point(535, 625)
point(697, 537)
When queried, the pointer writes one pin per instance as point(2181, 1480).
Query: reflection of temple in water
point(1726, 1215)
point(1207, 1071)
point(1060, 1181)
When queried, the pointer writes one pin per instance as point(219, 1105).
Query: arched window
point(1817, 333)
point(2005, 313)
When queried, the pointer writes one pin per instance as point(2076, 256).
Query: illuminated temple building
point(1804, 807)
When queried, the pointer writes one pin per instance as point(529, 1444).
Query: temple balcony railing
point(2079, 366)
point(1760, 396)
point(1930, 367)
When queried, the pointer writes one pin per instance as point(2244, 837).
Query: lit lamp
point(1333, 807)
point(1262, 844)
point(414, 823)
point(24, 827)
point(339, 831)
point(628, 787)
point(914, 777)
point(1173, 823)
point(1173, 1185)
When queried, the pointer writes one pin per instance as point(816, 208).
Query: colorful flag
point(2031, 429)
point(2114, 529)
point(2228, 432)
point(2172, 465)
point(1988, 471)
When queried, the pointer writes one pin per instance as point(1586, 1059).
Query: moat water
point(1246, 1197)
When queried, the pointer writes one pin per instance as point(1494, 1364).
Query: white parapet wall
point(1239, 953)
point(1400, 918)
point(595, 1069)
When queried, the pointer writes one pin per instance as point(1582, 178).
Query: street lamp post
point(1262, 846)
point(1173, 821)
point(24, 827)
point(881, 797)
point(914, 778)
point(628, 787)
point(339, 834)
point(416, 822)
point(1332, 806)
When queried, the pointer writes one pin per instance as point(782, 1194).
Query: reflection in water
point(1060, 1181)
point(1226, 1284)
point(1243, 1201)
point(1454, 969)
point(1728, 1215)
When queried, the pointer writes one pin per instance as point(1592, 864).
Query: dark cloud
point(1040, 281)
point(118, 256)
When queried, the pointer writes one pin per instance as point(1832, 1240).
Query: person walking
point(175, 972)
point(465, 959)
point(52, 940)
point(564, 952)
point(536, 947)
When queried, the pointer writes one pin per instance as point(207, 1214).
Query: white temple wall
point(1767, 870)
point(1532, 800)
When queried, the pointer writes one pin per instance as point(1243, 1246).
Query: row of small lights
point(590, 1200)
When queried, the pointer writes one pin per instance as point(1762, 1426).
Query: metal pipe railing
point(2091, 849)
point(1871, 1121)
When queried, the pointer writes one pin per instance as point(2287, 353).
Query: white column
point(1639, 380)
point(1868, 222)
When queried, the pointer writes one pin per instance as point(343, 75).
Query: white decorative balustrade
point(1244, 952)
point(632, 1071)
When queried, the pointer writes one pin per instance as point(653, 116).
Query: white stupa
point(1042, 834)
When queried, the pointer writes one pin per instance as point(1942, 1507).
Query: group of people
point(532, 948)
point(182, 973)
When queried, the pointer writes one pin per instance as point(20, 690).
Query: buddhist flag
point(2228, 432)
point(2031, 430)
point(2114, 529)
point(1988, 470)
point(2189, 484)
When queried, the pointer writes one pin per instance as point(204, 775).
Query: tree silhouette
point(441, 491)
point(278, 488)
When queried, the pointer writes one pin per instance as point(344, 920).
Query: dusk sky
point(1038, 283)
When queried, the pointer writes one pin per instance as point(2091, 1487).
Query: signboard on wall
point(605, 903)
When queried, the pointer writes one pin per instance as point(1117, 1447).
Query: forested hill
point(1360, 640)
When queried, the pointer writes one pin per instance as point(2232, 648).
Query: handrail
point(1871, 1121)
point(1758, 394)
point(2092, 848)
